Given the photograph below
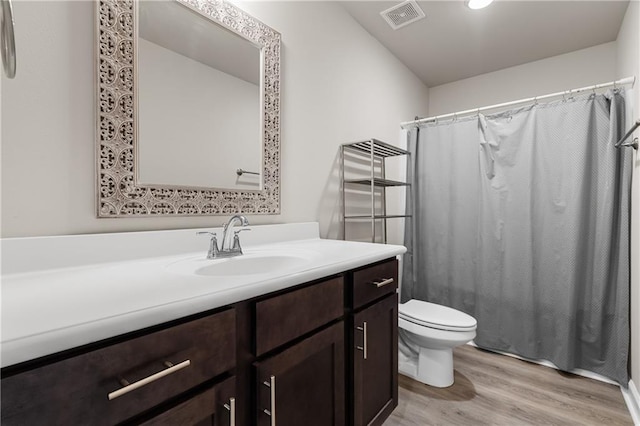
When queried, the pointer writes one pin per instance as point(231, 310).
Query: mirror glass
point(199, 109)
point(188, 94)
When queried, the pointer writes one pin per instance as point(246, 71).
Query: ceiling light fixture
point(478, 4)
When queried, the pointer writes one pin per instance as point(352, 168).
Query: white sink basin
point(246, 264)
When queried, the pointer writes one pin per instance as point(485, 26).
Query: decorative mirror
point(188, 114)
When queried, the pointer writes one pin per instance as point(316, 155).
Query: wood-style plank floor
point(493, 389)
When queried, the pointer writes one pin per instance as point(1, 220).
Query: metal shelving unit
point(376, 152)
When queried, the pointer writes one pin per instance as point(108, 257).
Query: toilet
point(427, 335)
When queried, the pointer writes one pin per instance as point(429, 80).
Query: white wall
point(628, 63)
point(563, 72)
point(341, 86)
point(338, 85)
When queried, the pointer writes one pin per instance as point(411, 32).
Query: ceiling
point(454, 42)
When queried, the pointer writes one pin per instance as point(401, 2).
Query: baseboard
point(632, 398)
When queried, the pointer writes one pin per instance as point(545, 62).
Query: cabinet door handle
point(128, 387)
point(231, 406)
point(383, 282)
point(363, 348)
point(272, 409)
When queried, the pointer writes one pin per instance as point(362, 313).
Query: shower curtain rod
point(621, 82)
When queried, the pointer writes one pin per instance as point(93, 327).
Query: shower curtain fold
point(521, 219)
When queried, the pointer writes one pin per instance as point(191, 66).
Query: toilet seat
point(436, 316)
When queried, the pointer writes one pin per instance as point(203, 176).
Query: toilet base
point(435, 367)
point(428, 352)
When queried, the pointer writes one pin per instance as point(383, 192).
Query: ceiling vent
point(403, 14)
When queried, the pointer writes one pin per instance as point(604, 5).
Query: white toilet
point(428, 334)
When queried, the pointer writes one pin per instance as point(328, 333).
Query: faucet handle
point(213, 234)
point(213, 246)
point(236, 240)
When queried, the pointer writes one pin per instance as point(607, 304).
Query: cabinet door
point(304, 385)
point(375, 363)
point(214, 407)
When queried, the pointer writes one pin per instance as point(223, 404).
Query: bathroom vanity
point(315, 346)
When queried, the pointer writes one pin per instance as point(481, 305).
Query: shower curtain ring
point(455, 117)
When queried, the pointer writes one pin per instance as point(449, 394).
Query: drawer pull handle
point(152, 378)
point(383, 282)
point(363, 348)
point(231, 406)
point(272, 411)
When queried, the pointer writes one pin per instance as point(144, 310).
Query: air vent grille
point(403, 14)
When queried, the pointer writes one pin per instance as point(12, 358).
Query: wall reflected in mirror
point(199, 101)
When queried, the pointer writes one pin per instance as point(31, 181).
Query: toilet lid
point(436, 316)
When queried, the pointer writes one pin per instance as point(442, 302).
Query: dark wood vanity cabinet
point(291, 358)
point(374, 355)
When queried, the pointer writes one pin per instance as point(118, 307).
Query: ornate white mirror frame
point(118, 192)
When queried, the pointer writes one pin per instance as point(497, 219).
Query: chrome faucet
point(225, 251)
point(228, 227)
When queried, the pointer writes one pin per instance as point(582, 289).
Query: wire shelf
point(373, 152)
point(377, 182)
point(383, 216)
point(380, 149)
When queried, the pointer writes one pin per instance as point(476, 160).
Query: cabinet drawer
point(374, 282)
point(283, 318)
point(77, 390)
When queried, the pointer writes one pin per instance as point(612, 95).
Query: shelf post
point(373, 194)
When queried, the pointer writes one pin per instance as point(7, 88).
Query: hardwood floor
point(492, 389)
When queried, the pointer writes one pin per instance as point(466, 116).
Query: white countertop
point(50, 310)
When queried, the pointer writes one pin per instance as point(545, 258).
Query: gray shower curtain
point(521, 219)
